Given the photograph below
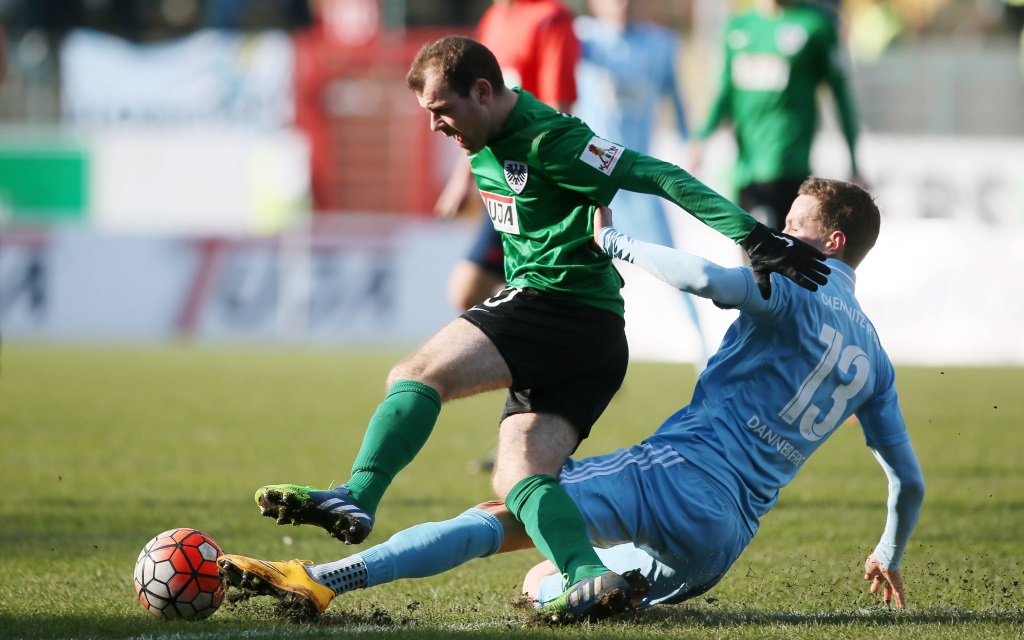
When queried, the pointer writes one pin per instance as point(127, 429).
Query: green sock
point(555, 525)
point(396, 433)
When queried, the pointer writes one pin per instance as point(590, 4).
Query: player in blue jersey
point(684, 503)
point(627, 69)
point(790, 370)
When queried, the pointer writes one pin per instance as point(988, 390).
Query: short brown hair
point(844, 206)
point(460, 61)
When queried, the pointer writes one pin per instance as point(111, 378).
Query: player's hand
point(773, 251)
point(457, 191)
point(889, 580)
point(602, 219)
point(450, 202)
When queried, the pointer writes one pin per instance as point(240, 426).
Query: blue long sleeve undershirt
point(728, 287)
point(906, 494)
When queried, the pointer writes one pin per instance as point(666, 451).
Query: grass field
point(100, 449)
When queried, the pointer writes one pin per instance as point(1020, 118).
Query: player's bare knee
point(418, 366)
point(420, 373)
point(501, 484)
point(401, 372)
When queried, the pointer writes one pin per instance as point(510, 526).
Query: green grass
point(100, 449)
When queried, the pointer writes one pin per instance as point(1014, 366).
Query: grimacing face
point(464, 118)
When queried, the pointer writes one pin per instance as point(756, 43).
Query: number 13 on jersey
point(835, 355)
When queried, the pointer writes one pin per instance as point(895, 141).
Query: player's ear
point(835, 244)
point(482, 90)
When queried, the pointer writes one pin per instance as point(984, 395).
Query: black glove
point(782, 253)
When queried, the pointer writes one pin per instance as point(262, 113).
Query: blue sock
point(417, 552)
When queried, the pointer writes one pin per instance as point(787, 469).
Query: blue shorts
point(648, 508)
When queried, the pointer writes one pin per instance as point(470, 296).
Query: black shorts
point(769, 202)
point(566, 357)
point(487, 250)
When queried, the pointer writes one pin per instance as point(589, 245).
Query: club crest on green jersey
point(516, 173)
point(602, 155)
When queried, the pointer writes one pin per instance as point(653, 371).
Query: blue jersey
point(682, 505)
point(622, 76)
point(789, 372)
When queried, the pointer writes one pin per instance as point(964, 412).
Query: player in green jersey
point(554, 338)
point(776, 57)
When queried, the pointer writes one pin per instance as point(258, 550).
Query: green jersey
point(540, 181)
point(773, 67)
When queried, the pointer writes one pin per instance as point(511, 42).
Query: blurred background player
point(534, 43)
point(776, 57)
point(627, 68)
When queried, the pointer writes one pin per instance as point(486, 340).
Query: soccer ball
point(176, 575)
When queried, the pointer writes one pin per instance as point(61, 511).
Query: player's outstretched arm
point(769, 251)
point(889, 580)
point(684, 271)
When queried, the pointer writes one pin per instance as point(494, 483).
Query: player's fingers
point(876, 583)
point(887, 593)
point(899, 598)
point(811, 283)
point(813, 269)
point(819, 271)
point(805, 271)
point(799, 277)
point(895, 579)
